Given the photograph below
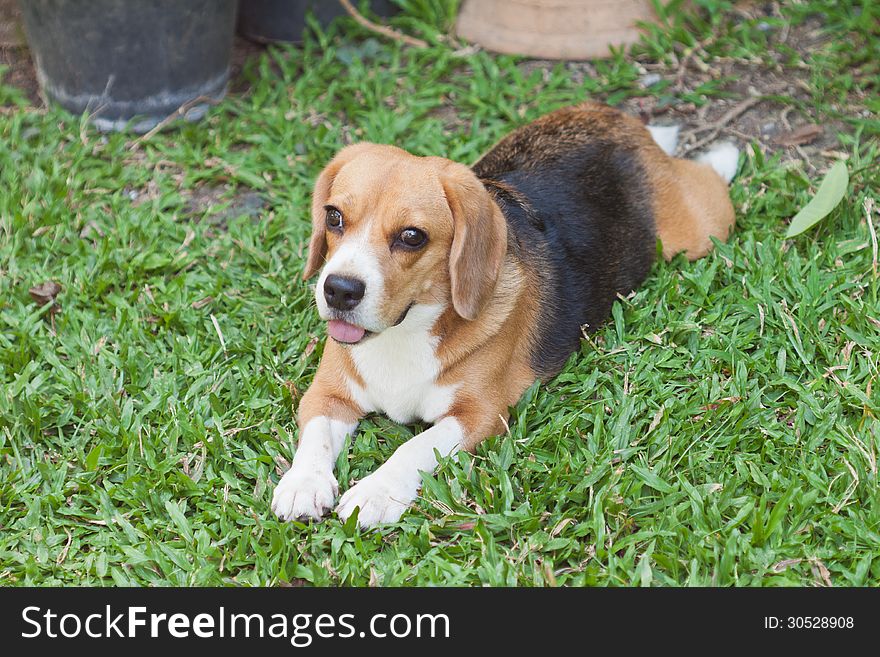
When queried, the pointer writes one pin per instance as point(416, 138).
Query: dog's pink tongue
point(343, 331)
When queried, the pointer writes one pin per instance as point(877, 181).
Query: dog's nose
point(342, 292)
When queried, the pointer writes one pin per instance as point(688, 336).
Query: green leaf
point(779, 511)
point(93, 456)
point(179, 520)
point(653, 480)
point(350, 526)
point(157, 261)
point(827, 197)
point(644, 572)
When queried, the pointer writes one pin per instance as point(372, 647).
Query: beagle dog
point(449, 290)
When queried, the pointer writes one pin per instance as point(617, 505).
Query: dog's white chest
point(399, 368)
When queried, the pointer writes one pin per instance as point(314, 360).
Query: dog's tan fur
point(481, 339)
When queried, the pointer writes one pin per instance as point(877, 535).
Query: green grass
point(720, 429)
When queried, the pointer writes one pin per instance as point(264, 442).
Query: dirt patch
point(448, 115)
point(768, 122)
point(213, 204)
point(217, 205)
point(242, 52)
point(11, 33)
point(14, 55)
point(20, 73)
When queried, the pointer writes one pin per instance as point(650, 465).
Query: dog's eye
point(334, 218)
point(412, 238)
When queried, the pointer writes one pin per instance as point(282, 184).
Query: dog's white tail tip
point(666, 137)
point(724, 158)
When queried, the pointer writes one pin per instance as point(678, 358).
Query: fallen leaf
point(819, 570)
point(45, 292)
point(282, 465)
point(806, 134)
point(831, 191)
point(310, 347)
point(292, 389)
point(201, 303)
point(785, 564)
point(99, 345)
point(559, 527)
point(88, 228)
point(711, 406)
point(658, 416)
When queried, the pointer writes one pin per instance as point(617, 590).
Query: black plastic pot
point(131, 61)
point(267, 21)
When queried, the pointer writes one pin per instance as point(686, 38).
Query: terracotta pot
point(553, 29)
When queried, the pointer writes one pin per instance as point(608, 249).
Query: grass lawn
point(720, 429)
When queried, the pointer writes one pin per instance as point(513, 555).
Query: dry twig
point(176, 114)
point(384, 30)
point(715, 127)
point(868, 206)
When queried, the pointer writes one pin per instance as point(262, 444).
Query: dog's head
point(391, 230)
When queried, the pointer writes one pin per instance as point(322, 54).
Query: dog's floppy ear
point(320, 195)
point(479, 241)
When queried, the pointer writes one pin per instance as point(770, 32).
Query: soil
point(204, 203)
point(14, 55)
point(777, 127)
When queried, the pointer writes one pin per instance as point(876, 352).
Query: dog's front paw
point(304, 493)
point(381, 498)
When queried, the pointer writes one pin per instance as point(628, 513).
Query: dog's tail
point(722, 157)
point(691, 201)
